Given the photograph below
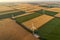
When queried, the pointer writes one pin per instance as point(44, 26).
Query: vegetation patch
point(51, 13)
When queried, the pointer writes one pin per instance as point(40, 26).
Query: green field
point(51, 13)
point(27, 17)
point(51, 30)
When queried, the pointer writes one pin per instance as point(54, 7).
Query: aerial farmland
point(29, 21)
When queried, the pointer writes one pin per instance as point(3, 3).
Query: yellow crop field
point(38, 21)
point(54, 9)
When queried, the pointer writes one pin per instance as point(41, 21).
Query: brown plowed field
point(10, 30)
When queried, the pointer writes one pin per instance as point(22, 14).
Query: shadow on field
point(24, 27)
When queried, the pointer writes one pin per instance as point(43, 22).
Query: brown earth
point(38, 21)
point(10, 30)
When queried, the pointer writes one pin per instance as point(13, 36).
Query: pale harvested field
point(53, 9)
point(57, 15)
point(10, 30)
point(5, 8)
point(38, 21)
point(23, 15)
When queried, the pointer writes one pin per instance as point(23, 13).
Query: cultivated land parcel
point(43, 31)
point(10, 30)
point(45, 20)
point(28, 20)
point(37, 22)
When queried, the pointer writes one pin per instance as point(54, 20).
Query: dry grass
point(38, 21)
point(10, 30)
